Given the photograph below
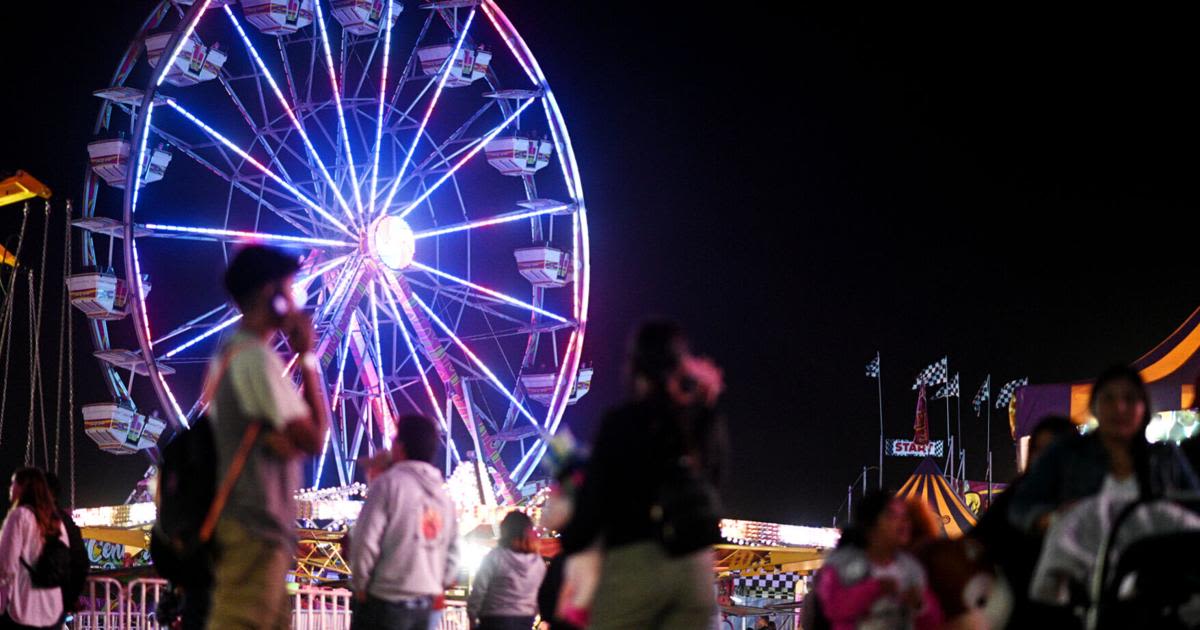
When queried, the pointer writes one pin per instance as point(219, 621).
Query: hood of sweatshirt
point(522, 565)
point(427, 476)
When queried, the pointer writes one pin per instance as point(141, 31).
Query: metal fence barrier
point(109, 605)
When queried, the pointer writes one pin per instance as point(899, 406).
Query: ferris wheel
point(413, 156)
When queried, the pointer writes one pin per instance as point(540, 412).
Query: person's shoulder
point(1069, 447)
point(20, 515)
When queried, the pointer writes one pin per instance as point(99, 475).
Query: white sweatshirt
point(506, 585)
point(405, 542)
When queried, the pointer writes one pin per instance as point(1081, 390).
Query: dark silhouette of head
point(419, 437)
point(252, 270)
point(516, 532)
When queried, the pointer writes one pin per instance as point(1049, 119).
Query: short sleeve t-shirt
point(254, 388)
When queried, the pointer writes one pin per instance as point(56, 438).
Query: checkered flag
point(935, 374)
point(873, 367)
point(983, 395)
point(1006, 392)
point(949, 390)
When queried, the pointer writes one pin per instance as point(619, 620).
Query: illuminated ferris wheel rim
point(364, 241)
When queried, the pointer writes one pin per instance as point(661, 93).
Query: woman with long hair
point(649, 497)
point(32, 519)
point(504, 592)
point(870, 581)
point(1115, 459)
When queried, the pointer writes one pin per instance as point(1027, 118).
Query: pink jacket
point(852, 596)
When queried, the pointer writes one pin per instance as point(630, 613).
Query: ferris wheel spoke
point(505, 32)
point(236, 182)
point(508, 217)
point(444, 74)
point(387, 51)
point(238, 236)
point(478, 146)
point(291, 114)
point(462, 295)
point(260, 135)
point(304, 199)
point(231, 317)
point(479, 364)
point(337, 99)
point(558, 402)
point(409, 67)
point(489, 292)
point(196, 322)
point(364, 350)
point(402, 294)
point(439, 151)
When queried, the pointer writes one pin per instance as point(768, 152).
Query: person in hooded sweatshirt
point(504, 593)
point(405, 543)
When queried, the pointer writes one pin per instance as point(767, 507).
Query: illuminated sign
point(908, 448)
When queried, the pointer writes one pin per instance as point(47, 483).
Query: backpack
point(187, 483)
point(189, 499)
point(80, 565)
point(685, 513)
point(53, 567)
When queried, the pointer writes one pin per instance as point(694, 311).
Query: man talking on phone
point(261, 421)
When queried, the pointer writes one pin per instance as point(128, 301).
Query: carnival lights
point(315, 144)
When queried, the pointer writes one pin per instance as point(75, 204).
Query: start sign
point(908, 448)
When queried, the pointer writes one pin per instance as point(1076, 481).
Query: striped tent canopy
point(928, 484)
point(1170, 370)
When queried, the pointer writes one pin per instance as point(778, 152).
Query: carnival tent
point(1170, 371)
point(928, 484)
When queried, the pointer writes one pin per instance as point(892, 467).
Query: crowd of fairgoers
point(1098, 532)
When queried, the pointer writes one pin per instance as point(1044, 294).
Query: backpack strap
point(239, 457)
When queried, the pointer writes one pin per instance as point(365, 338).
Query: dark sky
point(1014, 191)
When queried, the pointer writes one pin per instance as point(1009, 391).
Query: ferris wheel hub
point(391, 241)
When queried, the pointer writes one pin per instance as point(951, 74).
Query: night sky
point(1013, 191)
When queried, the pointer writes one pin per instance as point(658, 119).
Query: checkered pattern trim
point(767, 586)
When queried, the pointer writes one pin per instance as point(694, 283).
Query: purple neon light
point(389, 428)
point(387, 49)
point(337, 99)
point(540, 445)
point(507, 41)
point(187, 34)
point(262, 66)
point(445, 74)
point(250, 236)
point(478, 146)
point(387, 293)
point(570, 170)
point(496, 294)
point(266, 171)
point(497, 220)
point(478, 362)
point(205, 335)
point(324, 454)
point(337, 388)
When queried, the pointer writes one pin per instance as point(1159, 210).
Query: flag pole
point(879, 382)
point(989, 439)
point(949, 440)
point(962, 449)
